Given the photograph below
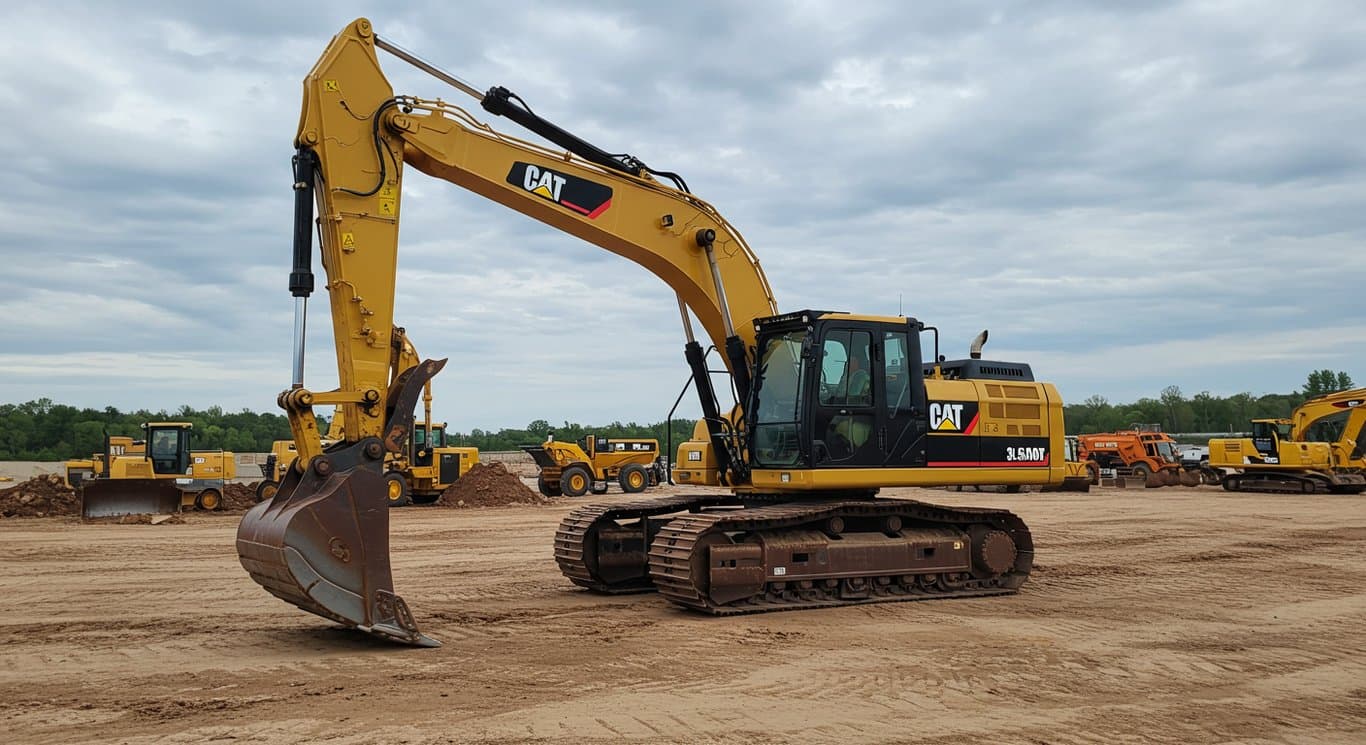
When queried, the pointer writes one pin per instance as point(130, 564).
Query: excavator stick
point(116, 497)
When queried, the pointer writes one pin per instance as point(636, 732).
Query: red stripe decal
point(601, 209)
point(573, 206)
point(972, 424)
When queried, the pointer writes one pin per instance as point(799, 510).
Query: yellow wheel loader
point(163, 478)
point(418, 476)
point(831, 406)
point(427, 468)
point(574, 469)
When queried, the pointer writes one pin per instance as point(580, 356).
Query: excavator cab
point(831, 390)
point(1267, 435)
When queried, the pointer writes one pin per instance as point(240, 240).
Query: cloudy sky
point(1128, 195)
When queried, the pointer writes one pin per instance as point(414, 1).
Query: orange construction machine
point(1148, 452)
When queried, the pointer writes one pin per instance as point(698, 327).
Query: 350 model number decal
point(1025, 454)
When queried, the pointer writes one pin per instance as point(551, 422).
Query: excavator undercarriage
point(723, 555)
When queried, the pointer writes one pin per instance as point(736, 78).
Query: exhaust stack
point(976, 350)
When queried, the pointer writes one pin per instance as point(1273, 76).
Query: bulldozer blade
point(116, 497)
point(322, 544)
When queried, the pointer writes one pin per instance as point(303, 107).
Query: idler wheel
point(994, 552)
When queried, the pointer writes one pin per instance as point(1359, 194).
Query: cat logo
point(543, 182)
point(946, 417)
point(586, 198)
point(955, 418)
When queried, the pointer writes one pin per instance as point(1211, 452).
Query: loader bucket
point(115, 497)
point(322, 544)
point(538, 453)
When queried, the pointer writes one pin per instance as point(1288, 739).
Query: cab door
point(844, 414)
point(902, 422)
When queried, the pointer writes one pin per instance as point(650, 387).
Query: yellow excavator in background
point(1318, 449)
point(832, 406)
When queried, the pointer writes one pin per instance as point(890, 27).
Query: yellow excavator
point(1318, 449)
point(832, 406)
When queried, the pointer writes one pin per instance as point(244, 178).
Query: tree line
point(46, 431)
point(1202, 412)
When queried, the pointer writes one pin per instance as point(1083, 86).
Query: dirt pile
point(488, 485)
point(40, 496)
point(239, 497)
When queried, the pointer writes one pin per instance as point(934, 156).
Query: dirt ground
point(1170, 616)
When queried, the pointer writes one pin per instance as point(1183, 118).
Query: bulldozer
point(165, 477)
point(574, 469)
point(830, 406)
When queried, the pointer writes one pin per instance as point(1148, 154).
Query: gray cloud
point(1129, 195)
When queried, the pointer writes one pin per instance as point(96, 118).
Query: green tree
point(1325, 381)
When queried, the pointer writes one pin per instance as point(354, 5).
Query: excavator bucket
point(322, 544)
point(115, 497)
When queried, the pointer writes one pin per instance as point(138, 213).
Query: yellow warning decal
point(331, 85)
point(349, 240)
point(386, 207)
